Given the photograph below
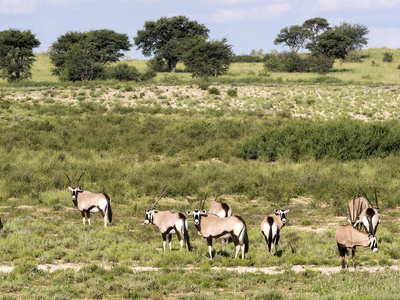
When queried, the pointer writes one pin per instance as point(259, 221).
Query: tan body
point(356, 206)
point(211, 226)
point(349, 237)
point(169, 223)
point(270, 228)
point(88, 202)
point(222, 210)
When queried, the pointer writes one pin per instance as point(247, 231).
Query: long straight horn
point(287, 201)
point(348, 207)
point(277, 201)
point(77, 183)
point(365, 196)
point(68, 178)
point(376, 197)
point(204, 202)
point(160, 196)
point(190, 203)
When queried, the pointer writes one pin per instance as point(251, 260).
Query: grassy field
point(247, 137)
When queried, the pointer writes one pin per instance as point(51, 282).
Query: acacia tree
point(169, 38)
point(293, 37)
point(355, 32)
point(83, 55)
point(315, 27)
point(16, 54)
point(208, 58)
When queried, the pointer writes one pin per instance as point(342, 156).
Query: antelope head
point(373, 243)
point(280, 212)
point(152, 210)
point(74, 189)
point(197, 212)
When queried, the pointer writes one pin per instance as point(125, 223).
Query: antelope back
point(220, 209)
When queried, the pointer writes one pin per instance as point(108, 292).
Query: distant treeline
point(247, 58)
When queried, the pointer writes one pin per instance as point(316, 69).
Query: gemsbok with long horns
point(211, 226)
point(88, 202)
point(348, 237)
point(168, 223)
point(222, 210)
point(272, 225)
point(362, 214)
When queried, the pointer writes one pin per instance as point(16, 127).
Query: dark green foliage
point(208, 58)
point(214, 90)
point(81, 56)
point(123, 72)
point(342, 140)
point(16, 54)
point(247, 58)
point(232, 92)
point(387, 57)
point(294, 37)
point(286, 62)
point(169, 38)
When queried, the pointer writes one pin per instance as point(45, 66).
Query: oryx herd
point(219, 222)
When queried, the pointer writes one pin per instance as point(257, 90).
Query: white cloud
point(337, 5)
point(385, 37)
point(17, 6)
point(254, 13)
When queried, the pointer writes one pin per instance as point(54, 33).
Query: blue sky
point(247, 24)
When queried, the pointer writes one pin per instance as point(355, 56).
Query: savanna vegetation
point(243, 136)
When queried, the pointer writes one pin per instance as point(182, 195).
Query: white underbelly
point(94, 210)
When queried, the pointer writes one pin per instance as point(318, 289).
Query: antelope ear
point(155, 211)
point(70, 189)
point(203, 211)
point(287, 210)
point(189, 212)
point(145, 210)
point(276, 211)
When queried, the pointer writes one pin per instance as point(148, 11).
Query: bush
point(387, 57)
point(232, 92)
point(123, 72)
point(214, 91)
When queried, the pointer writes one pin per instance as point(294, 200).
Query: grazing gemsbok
point(273, 224)
point(168, 223)
point(349, 237)
point(211, 226)
point(362, 213)
point(222, 210)
point(88, 202)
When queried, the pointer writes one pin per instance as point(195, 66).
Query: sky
point(247, 24)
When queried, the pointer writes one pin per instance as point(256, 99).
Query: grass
point(133, 140)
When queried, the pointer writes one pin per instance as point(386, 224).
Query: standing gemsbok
point(362, 213)
point(211, 226)
point(349, 237)
point(88, 202)
point(168, 223)
point(273, 224)
point(222, 210)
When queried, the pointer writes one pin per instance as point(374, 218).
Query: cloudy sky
point(247, 24)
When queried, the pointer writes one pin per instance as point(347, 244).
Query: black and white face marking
point(282, 214)
point(374, 244)
point(196, 215)
point(149, 215)
point(74, 193)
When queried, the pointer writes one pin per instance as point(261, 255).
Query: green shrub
point(213, 91)
point(387, 57)
point(123, 72)
point(232, 92)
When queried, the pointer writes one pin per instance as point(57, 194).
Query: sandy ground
point(266, 270)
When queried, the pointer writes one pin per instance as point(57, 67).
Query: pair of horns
point(77, 183)
point(202, 202)
point(277, 200)
point(365, 195)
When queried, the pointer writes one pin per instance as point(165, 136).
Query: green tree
point(209, 58)
point(315, 27)
point(16, 54)
point(355, 32)
point(170, 38)
point(331, 44)
point(293, 37)
point(82, 55)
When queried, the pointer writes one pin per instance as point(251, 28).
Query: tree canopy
point(169, 38)
point(293, 37)
point(209, 58)
point(16, 54)
point(82, 55)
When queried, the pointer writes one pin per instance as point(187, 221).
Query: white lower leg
point(88, 220)
point(210, 251)
point(164, 242)
point(105, 221)
point(170, 244)
point(181, 242)
point(83, 219)
point(237, 250)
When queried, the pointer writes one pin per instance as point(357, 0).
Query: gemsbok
point(168, 223)
point(362, 214)
point(349, 237)
point(211, 226)
point(272, 225)
point(88, 202)
point(222, 210)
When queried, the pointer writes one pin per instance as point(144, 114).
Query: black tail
point(109, 212)
point(1, 224)
point(186, 236)
point(270, 238)
point(246, 241)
